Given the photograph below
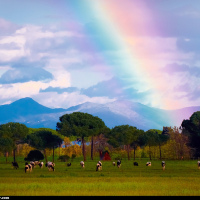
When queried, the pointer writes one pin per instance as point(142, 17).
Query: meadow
point(181, 177)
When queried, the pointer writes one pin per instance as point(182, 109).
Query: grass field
point(180, 178)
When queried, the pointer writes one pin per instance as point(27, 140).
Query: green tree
point(152, 139)
point(162, 138)
point(191, 128)
point(43, 139)
point(80, 125)
point(6, 145)
point(16, 132)
point(123, 135)
point(54, 132)
point(137, 140)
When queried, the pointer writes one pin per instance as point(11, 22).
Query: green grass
point(180, 178)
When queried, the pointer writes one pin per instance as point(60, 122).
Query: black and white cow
point(15, 165)
point(148, 164)
point(82, 164)
point(135, 164)
point(163, 165)
point(198, 164)
point(99, 166)
point(28, 167)
point(50, 166)
point(37, 162)
point(41, 164)
point(119, 163)
point(69, 164)
point(32, 163)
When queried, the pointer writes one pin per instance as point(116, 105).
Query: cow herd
point(51, 166)
point(29, 167)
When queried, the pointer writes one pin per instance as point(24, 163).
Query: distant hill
point(23, 109)
point(116, 113)
point(126, 112)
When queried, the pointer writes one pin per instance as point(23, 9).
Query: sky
point(63, 53)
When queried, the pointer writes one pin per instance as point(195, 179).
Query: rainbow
point(123, 26)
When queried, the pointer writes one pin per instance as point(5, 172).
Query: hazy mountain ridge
point(35, 115)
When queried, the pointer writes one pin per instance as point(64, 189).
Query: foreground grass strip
point(101, 186)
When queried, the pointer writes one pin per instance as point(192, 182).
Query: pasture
point(179, 178)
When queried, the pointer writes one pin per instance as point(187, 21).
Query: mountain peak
point(26, 106)
point(24, 100)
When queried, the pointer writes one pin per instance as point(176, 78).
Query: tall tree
point(152, 139)
point(137, 140)
point(6, 145)
point(162, 138)
point(16, 132)
point(191, 128)
point(81, 125)
point(177, 144)
point(43, 139)
point(123, 135)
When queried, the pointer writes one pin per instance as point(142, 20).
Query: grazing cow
point(148, 164)
point(119, 163)
point(50, 166)
point(99, 166)
point(82, 164)
point(28, 167)
point(41, 164)
point(135, 164)
point(69, 164)
point(113, 163)
point(163, 165)
point(198, 164)
point(15, 165)
point(37, 162)
point(32, 163)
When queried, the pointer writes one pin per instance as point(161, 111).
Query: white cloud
point(66, 100)
point(27, 89)
point(27, 37)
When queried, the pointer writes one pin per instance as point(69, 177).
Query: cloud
point(7, 27)
point(178, 68)
point(34, 42)
point(25, 74)
point(27, 89)
point(116, 88)
point(189, 44)
point(66, 100)
point(60, 90)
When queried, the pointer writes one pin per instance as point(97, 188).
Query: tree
point(43, 139)
point(101, 144)
point(191, 128)
point(54, 132)
point(6, 145)
point(162, 138)
point(80, 125)
point(177, 144)
point(152, 139)
point(16, 132)
point(123, 135)
point(34, 155)
point(137, 140)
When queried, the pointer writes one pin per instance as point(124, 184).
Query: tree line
point(81, 126)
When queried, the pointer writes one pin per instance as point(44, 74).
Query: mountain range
point(35, 115)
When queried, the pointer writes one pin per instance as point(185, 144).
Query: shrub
point(63, 158)
point(73, 156)
point(34, 155)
